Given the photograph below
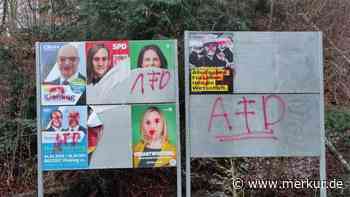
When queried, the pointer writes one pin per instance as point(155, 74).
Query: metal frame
point(38, 116)
point(323, 173)
point(40, 179)
point(322, 156)
point(187, 100)
point(178, 158)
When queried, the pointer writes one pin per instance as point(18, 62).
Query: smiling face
point(211, 48)
point(152, 125)
point(73, 119)
point(150, 59)
point(56, 118)
point(100, 62)
point(67, 60)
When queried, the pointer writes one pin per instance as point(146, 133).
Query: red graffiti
point(139, 77)
point(63, 138)
point(267, 123)
point(164, 79)
point(215, 114)
point(245, 112)
point(246, 136)
point(160, 79)
point(56, 90)
point(218, 111)
point(153, 78)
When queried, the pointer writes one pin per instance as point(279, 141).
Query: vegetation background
point(24, 22)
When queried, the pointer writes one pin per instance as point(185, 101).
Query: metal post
point(178, 151)
point(323, 174)
point(187, 100)
point(38, 114)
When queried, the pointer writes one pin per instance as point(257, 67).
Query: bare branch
point(337, 154)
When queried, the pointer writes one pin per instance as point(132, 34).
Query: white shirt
point(76, 128)
point(74, 76)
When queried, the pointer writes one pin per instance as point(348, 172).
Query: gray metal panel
point(277, 62)
point(114, 150)
point(297, 133)
point(124, 92)
point(266, 62)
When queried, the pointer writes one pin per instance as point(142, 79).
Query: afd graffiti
point(68, 137)
point(255, 118)
point(154, 79)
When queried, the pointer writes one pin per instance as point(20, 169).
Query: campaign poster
point(108, 66)
point(64, 137)
point(154, 135)
point(63, 73)
point(211, 59)
point(153, 53)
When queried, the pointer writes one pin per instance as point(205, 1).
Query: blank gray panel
point(282, 125)
point(114, 150)
point(277, 62)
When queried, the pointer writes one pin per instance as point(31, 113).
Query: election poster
point(64, 137)
point(154, 135)
point(133, 71)
point(108, 66)
point(63, 73)
point(93, 96)
point(152, 53)
point(212, 63)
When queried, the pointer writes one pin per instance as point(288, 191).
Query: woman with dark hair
point(104, 74)
point(98, 63)
point(151, 56)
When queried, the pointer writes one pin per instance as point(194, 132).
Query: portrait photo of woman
point(153, 148)
point(151, 56)
point(98, 63)
point(107, 67)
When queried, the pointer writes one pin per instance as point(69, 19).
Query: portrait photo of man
point(55, 123)
point(63, 68)
point(68, 63)
point(74, 122)
point(64, 135)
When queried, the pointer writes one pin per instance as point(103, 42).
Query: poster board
point(254, 94)
point(107, 104)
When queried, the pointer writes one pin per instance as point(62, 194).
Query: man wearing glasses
point(68, 63)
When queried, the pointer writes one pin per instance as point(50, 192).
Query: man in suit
point(55, 123)
point(74, 122)
point(68, 63)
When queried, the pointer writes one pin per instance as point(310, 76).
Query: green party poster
point(154, 135)
point(152, 53)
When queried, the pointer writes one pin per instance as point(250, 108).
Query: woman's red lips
point(152, 131)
